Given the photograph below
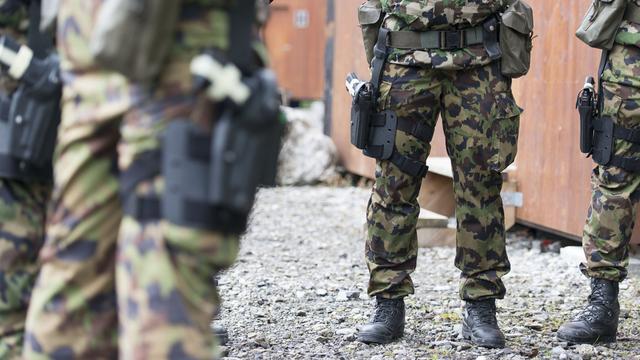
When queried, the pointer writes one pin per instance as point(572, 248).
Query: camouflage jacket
point(425, 15)
point(629, 33)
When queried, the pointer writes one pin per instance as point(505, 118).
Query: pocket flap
point(506, 106)
point(519, 17)
point(369, 13)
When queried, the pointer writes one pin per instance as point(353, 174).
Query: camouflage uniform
point(159, 276)
point(612, 212)
point(480, 119)
point(22, 218)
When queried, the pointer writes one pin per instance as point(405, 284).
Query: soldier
point(614, 182)
point(157, 273)
point(23, 201)
point(440, 58)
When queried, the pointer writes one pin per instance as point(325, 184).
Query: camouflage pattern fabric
point(158, 275)
point(22, 224)
point(421, 15)
point(612, 213)
point(481, 121)
point(22, 219)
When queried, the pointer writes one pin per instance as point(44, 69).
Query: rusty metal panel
point(296, 38)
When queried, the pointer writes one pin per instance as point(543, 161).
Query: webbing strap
point(145, 167)
point(143, 208)
point(414, 128)
point(619, 132)
point(377, 65)
point(409, 166)
point(40, 43)
point(445, 40)
point(242, 18)
point(629, 164)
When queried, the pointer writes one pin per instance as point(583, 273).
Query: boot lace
point(385, 310)
point(483, 312)
point(597, 304)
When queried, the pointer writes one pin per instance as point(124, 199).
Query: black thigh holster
point(375, 132)
point(29, 119)
point(186, 164)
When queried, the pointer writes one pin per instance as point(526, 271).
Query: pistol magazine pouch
point(29, 119)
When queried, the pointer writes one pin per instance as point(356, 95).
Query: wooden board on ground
point(436, 237)
point(430, 219)
point(436, 193)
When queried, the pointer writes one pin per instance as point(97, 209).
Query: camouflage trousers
point(22, 223)
point(481, 121)
point(113, 287)
point(615, 191)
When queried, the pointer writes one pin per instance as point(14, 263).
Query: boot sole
point(467, 335)
point(378, 339)
point(599, 340)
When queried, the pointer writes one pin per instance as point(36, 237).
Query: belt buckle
point(452, 40)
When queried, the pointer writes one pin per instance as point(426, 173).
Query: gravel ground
point(299, 290)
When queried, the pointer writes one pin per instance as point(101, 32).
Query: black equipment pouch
point(375, 132)
point(31, 114)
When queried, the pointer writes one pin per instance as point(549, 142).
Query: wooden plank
point(436, 194)
point(430, 219)
point(440, 166)
point(436, 237)
point(509, 211)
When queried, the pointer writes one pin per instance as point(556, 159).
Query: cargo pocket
point(516, 40)
point(503, 131)
point(370, 18)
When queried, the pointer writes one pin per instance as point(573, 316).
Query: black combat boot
point(479, 324)
point(220, 332)
point(387, 322)
point(598, 322)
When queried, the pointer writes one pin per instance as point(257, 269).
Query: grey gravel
point(298, 291)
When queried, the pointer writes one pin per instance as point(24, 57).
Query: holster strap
point(629, 164)
point(409, 166)
point(414, 128)
point(143, 208)
point(145, 167)
point(443, 40)
point(619, 132)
